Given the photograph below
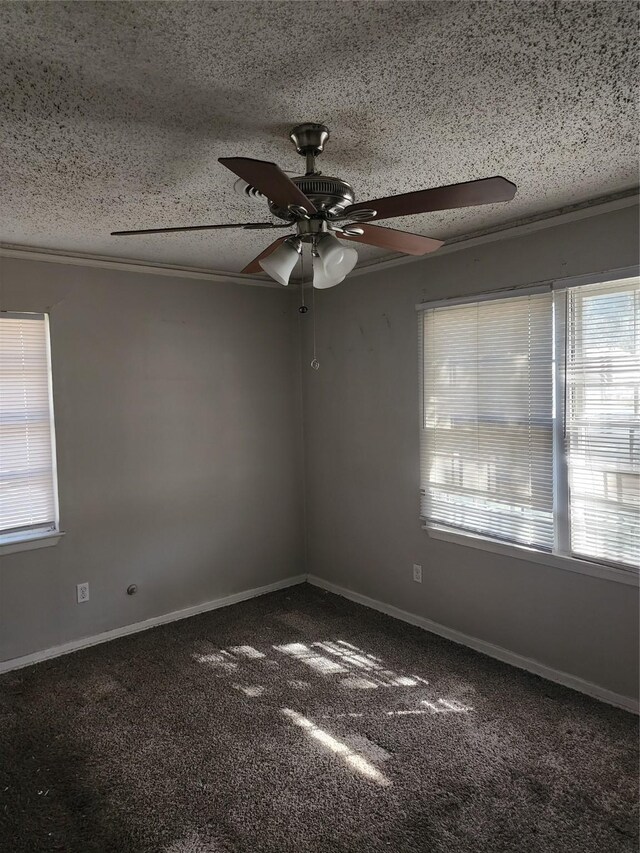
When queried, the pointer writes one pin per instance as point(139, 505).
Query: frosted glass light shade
point(330, 251)
point(321, 279)
point(279, 265)
point(333, 263)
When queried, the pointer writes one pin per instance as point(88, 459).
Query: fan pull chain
point(315, 364)
point(303, 309)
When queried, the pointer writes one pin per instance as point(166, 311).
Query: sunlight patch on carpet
point(351, 757)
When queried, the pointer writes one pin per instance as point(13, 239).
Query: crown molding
point(521, 227)
point(53, 256)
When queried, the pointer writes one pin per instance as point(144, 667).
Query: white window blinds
point(487, 440)
point(603, 420)
point(27, 458)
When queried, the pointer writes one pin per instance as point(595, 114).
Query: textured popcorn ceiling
point(114, 114)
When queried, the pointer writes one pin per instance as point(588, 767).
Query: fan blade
point(270, 180)
point(484, 191)
point(390, 238)
point(248, 225)
point(254, 266)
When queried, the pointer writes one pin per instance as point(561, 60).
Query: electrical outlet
point(417, 573)
point(82, 592)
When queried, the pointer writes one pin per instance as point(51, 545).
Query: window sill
point(11, 544)
point(521, 552)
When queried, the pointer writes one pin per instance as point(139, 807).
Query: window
point(603, 420)
point(531, 419)
point(28, 489)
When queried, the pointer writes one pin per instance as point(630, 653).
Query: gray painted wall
point(179, 448)
point(362, 478)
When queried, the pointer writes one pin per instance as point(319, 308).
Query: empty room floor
point(299, 722)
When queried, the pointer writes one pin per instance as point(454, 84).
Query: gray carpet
point(302, 723)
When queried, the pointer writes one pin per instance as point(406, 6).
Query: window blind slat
point(487, 420)
point(603, 420)
point(27, 465)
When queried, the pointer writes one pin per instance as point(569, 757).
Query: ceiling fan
point(323, 212)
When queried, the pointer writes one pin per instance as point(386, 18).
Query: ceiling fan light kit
point(323, 211)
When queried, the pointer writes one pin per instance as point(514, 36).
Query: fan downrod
point(309, 139)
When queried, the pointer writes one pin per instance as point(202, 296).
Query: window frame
point(561, 556)
point(38, 536)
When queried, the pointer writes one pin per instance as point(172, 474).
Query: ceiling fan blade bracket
point(298, 211)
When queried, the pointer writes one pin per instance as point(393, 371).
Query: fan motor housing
point(329, 195)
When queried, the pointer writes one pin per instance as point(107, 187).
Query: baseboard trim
point(136, 627)
point(497, 652)
point(493, 651)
